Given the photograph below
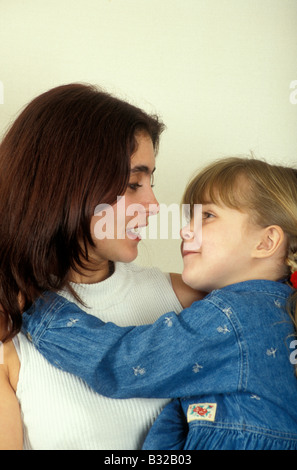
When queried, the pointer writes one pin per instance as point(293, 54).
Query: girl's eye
point(207, 215)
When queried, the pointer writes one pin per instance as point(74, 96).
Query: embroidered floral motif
point(72, 321)
point(271, 352)
point(196, 368)
point(201, 412)
point(255, 397)
point(139, 370)
point(168, 321)
point(223, 329)
point(227, 311)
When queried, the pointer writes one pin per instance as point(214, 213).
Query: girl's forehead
point(233, 193)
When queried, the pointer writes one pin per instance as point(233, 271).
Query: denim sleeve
point(195, 352)
point(169, 431)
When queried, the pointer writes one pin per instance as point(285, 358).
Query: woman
point(71, 149)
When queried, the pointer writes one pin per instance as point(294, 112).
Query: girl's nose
point(186, 233)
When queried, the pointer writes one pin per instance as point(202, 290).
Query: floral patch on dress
point(202, 412)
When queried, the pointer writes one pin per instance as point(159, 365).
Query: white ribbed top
point(60, 412)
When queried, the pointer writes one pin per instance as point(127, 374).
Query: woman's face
point(115, 228)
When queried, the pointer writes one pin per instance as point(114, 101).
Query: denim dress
point(226, 360)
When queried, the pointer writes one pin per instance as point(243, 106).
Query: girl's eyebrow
point(142, 169)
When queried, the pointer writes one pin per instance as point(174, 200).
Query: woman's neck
point(92, 275)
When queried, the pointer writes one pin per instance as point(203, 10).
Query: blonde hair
point(267, 192)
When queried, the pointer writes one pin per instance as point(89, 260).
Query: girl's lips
point(186, 253)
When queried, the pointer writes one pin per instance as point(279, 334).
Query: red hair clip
point(293, 279)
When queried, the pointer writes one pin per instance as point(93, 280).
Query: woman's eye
point(134, 186)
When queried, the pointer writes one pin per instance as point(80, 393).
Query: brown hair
point(268, 192)
point(68, 151)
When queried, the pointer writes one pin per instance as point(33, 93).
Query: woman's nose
point(151, 204)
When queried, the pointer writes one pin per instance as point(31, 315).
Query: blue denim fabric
point(228, 353)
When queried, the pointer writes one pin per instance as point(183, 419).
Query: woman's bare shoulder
point(11, 437)
point(10, 363)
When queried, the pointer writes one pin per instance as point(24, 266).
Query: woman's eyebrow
point(142, 169)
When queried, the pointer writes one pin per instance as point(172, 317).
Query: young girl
point(227, 357)
point(71, 149)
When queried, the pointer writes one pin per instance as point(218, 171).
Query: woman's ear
point(272, 239)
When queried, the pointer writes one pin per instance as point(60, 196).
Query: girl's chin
point(190, 280)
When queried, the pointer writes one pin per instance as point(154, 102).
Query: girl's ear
point(272, 239)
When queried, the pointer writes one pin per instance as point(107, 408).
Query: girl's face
point(116, 230)
point(225, 255)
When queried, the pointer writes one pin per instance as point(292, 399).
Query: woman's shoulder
point(11, 437)
point(9, 363)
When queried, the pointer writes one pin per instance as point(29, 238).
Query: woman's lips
point(134, 233)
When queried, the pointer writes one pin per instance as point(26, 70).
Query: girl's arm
point(169, 431)
point(11, 434)
point(179, 355)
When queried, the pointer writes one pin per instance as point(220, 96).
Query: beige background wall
point(218, 72)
